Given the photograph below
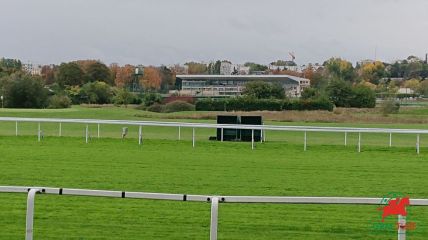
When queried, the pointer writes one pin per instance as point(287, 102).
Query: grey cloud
point(168, 31)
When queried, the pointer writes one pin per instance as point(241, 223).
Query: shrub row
point(250, 104)
point(176, 106)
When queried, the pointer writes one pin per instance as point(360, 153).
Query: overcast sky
point(154, 32)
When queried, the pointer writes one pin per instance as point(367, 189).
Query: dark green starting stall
point(231, 134)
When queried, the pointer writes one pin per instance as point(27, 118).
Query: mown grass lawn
point(166, 165)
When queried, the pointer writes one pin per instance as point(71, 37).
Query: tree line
point(92, 81)
point(83, 81)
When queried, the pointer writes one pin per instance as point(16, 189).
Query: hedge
point(250, 104)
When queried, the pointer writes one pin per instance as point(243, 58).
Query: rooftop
point(241, 77)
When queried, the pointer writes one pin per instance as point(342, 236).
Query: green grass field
point(278, 167)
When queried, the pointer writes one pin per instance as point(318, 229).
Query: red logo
point(395, 206)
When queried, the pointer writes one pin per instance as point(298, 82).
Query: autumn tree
point(340, 69)
point(372, 72)
point(423, 88)
point(151, 79)
point(48, 74)
point(114, 68)
point(413, 84)
point(196, 68)
point(124, 76)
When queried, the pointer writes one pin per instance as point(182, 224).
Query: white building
point(282, 68)
point(33, 69)
point(233, 85)
point(405, 91)
point(179, 69)
point(365, 62)
point(228, 68)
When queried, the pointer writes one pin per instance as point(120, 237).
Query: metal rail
point(194, 126)
point(261, 128)
point(214, 200)
point(212, 125)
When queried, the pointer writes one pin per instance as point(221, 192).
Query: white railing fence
point(193, 126)
point(214, 200)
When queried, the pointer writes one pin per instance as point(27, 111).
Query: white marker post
point(16, 128)
point(390, 139)
point(86, 133)
point(346, 139)
point(359, 142)
point(140, 135)
point(252, 138)
point(417, 143)
point(60, 130)
point(305, 144)
point(264, 135)
point(179, 133)
point(39, 132)
point(98, 130)
point(193, 137)
point(214, 218)
point(401, 227)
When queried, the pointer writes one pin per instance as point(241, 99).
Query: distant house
point(233, 85)
point(405, 91)
point(228, 68)
point(33, 69)
point(284, 65)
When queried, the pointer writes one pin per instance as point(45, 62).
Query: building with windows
point(228, 68)
point(33, 69)
point(233, 85)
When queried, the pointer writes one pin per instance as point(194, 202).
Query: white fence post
point(179, 132)
point(86, 133)
point(346, 138)
point(30, 213)
point(60, 130)
point(359, 142)
point(39, 132)
point(16, 128)
point(98, 130)
point(390, 139)
point(214, 218)
point(140, 135)
point(417, 143)
point(193, 137)
point(401, 227)
point(264, 135)
point(261, 135)
point(304, 147)
point(252, 138)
